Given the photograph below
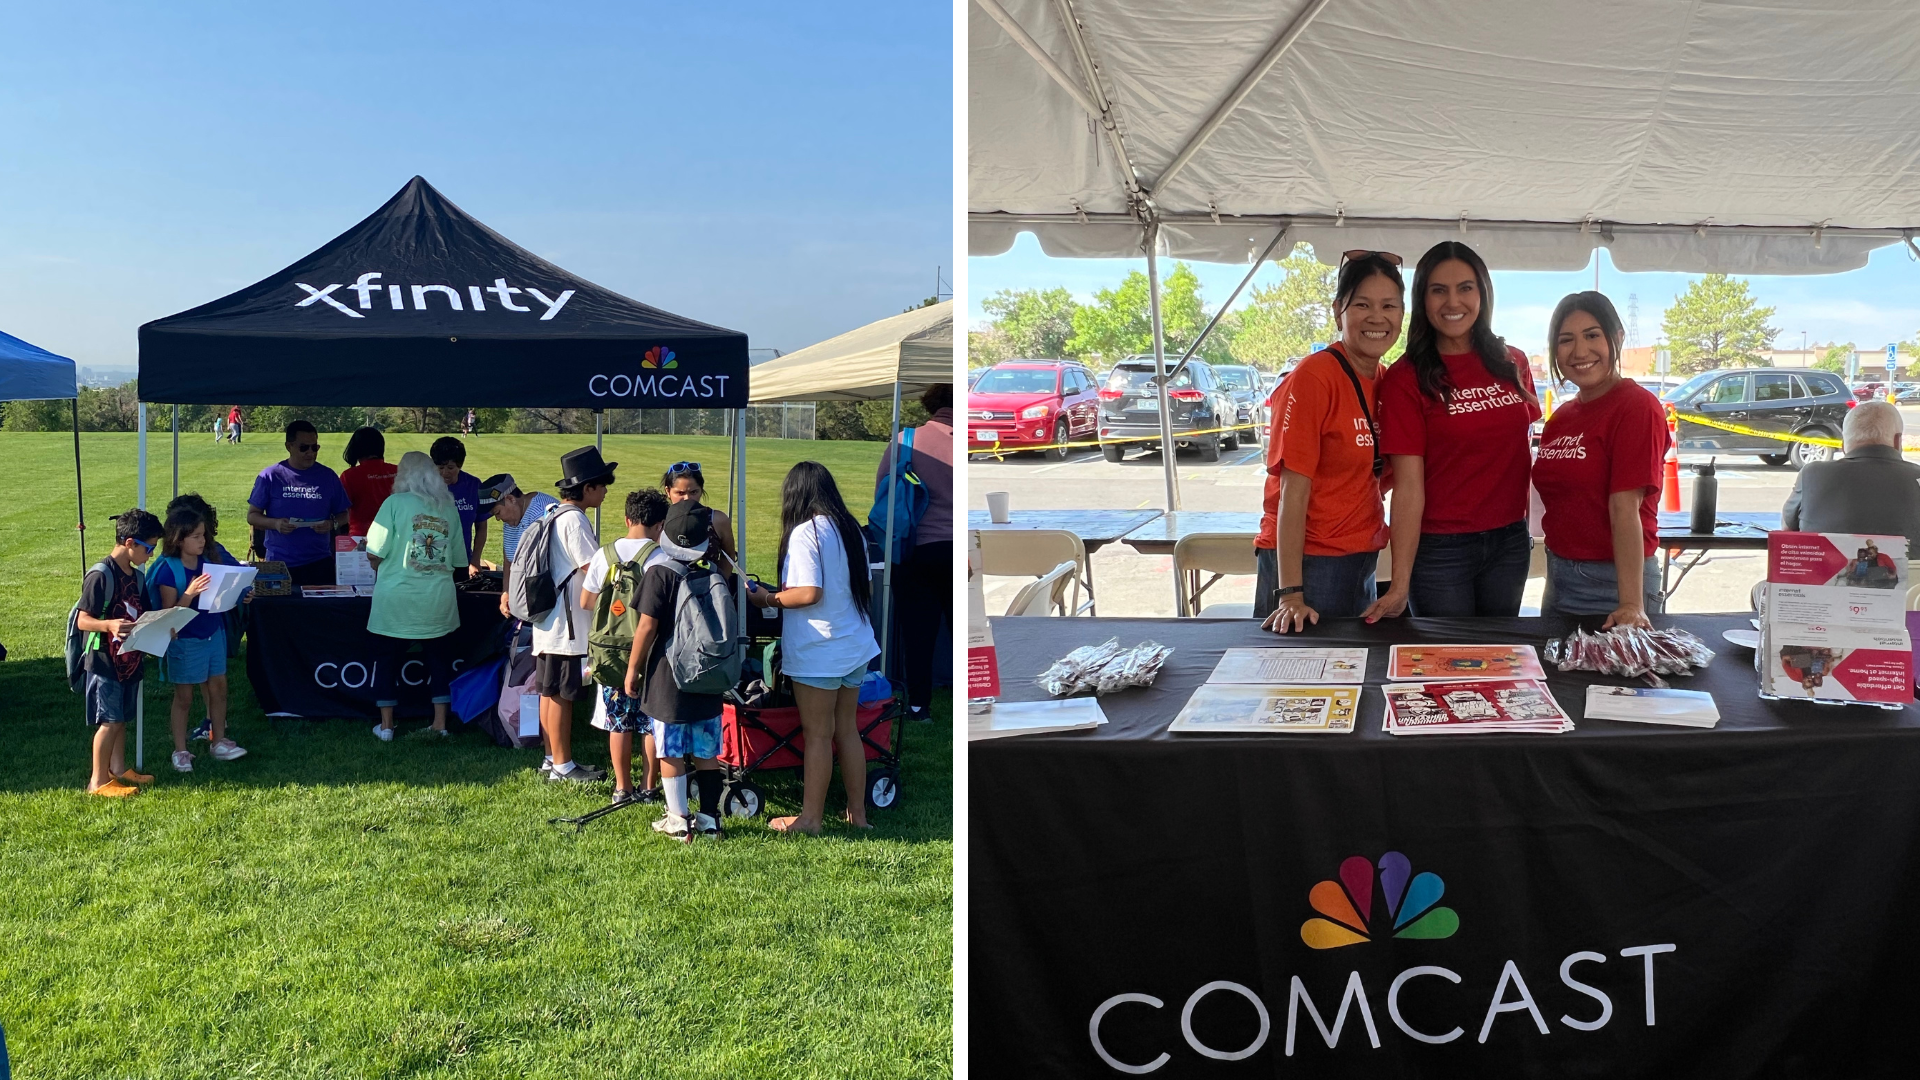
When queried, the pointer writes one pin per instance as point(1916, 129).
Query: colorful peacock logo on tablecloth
point(659, 357)
point(1348, 904)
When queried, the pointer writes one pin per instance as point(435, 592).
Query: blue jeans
point(1338, 586)
point(1474, 573)
point(1583, 587)
point(1266, 578)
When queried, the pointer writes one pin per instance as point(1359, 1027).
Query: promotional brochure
point(1836, 663)
point(1833, 619)
point(154, 630)
point(1651, 705)
point(1270, 666)
point(1434, 662)
point(350, 565)
point(1239, 707)
point(1457, 708)
point(1035, 718)
point(226, 587)
point(312, 592)
point(983, 665)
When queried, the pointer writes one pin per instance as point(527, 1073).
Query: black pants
point(317, 572)
point(923, 586)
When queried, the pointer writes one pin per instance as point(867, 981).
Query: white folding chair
point(1035, 552)
point(1047, 596)
point(1218, 554)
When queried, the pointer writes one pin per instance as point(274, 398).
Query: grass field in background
point(332, 906)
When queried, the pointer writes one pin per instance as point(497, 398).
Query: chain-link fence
point(785, 421)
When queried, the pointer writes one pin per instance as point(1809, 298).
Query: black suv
point(1196, 402)
point(1791, 402)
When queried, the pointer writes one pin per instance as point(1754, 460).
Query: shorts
point(851, 679)
point(192, 661)
point(698, 739)
point(111, 702)
point(557, 676)
point(623, 713)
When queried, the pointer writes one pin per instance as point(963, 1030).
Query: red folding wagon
point(754, 740)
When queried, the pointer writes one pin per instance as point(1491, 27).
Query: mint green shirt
point(418, 544)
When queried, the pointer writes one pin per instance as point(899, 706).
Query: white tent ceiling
point(1765, 136)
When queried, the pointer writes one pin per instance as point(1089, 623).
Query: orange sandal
point(114, 789)
point(131, 777)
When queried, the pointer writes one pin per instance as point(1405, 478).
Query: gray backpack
point(705, 652)
point(531, 593)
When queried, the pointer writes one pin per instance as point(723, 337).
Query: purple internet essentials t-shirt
point(281, 491)
point(466, 498)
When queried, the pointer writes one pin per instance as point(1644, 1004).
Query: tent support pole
point(79, 487)
point(598, 418)
point(1168, 465)
point(740, 524)
point(176, 453)
point(886, 555)
point(143, 456)
point(1231, 297)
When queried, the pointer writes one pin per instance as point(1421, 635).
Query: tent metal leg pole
point(1167, 463)
point(886, 555)
point(740, 520)
point(598, 426)
point(140, 729)
point(176, 453)
point(79, 486)
point(143, 456)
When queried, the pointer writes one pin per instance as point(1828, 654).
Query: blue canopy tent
point(31, 373)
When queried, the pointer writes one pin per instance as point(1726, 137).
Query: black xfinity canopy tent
point(419, 299)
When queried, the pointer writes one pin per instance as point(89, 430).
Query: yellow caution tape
point(1742, 429)
point(998, 449)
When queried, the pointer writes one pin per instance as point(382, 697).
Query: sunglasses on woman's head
point(1356, 254)
point(682, 467)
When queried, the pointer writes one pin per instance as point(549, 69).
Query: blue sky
point(780, 169)
point(1870, 307)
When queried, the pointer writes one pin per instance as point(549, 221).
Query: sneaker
point(203, 732)
point(384, 734)
point(546, 765)
point(128, 776)
point(674, 827)
point(579, 773)
point(649, 794)
point(921, 715)
point(708, 827)
point(228, 750)
point(182, 761)
point(623, 795)
point(114, 789)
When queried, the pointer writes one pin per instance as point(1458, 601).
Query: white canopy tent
point(1771, 137)
point(905, 353)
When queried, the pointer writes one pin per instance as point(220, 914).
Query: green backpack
point(614, 616)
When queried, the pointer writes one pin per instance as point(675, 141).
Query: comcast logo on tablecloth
point(1348, 904)
point(659, 357)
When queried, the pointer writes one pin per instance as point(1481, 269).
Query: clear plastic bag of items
point(1105, 668)
point(1631, 651)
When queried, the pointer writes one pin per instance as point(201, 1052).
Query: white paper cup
point(997, 507)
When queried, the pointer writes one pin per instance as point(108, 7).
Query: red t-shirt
point(1591, 449)
point(367, 486)
point(1320, 432)
point(1475, 442)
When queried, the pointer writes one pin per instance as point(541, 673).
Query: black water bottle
point(1706, 497)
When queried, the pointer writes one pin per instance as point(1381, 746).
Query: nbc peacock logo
point(659, 357)
point(1349, 908)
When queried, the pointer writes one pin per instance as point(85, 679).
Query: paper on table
point(529, 715)
point(228, 583)
point(154, 630)
point(1269, 709)
point(1035, 718)
point(1273, 666)
point(1434, 663)
point(1647, 705)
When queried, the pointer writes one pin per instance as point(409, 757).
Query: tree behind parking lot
point(1835, 358)
point(1717, 323)
point(1118, 322)
point(1288, 318)
point(1033, 323)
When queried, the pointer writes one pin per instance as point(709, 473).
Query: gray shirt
point(1873, 490)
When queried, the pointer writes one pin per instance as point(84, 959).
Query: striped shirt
point(510, 534)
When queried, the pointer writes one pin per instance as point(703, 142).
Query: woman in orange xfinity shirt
point(1324, 448)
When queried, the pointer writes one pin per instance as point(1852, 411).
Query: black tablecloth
point(1772, 854)
point(315, 658)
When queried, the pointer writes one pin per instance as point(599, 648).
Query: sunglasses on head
point(683, 467)
point(1356, 254)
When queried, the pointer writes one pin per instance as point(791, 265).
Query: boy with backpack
point(612, 589)
point(685, 655)
point(112, 599)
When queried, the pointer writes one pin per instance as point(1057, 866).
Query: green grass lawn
point(332, 906)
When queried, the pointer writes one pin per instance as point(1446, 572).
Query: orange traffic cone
point(1670, 481)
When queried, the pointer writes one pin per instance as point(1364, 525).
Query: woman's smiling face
point(1583, 351)
point(1452, 300)
point(1370, 323)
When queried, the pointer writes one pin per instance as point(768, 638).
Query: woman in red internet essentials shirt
point(1454, 416)
point(1598, 473)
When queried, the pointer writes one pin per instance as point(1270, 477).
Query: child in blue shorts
point(112, 599)
point(198, 655)
point(215, 552)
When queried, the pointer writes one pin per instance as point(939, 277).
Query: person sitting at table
point(368, 479)
point(515, 510)
point(299, 502)
point(1598, 473)
point(1329, 523)
point(450, 457)
point(413, 546)
point(1872, 490)
point(683, 481)
point(1455, 416)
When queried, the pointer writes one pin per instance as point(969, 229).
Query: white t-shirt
point(625, 548)
point(573, 547)
point(829, 638)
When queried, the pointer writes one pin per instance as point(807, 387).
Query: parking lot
point(1129, 583)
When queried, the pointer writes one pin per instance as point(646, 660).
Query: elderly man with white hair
point(1870, 490)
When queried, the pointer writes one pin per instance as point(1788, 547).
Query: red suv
point(1022, 404)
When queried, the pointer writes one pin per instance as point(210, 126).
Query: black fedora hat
point(583, 466)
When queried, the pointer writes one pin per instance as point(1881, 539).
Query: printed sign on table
point(983, 664)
